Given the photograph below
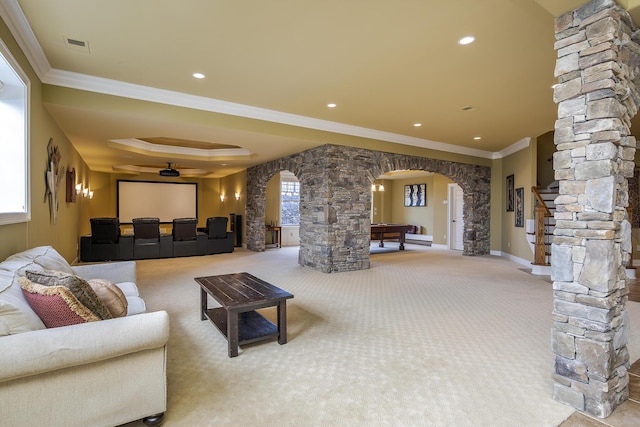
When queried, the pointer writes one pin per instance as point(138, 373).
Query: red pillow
point(55, 305)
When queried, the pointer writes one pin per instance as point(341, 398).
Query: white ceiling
point(272, 66)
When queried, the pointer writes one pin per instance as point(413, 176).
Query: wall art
point(415, 195)
point(519, 207)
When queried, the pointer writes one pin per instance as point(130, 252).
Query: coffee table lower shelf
point(252, 326)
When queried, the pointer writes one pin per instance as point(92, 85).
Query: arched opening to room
point(431, 203)
point(282, 210)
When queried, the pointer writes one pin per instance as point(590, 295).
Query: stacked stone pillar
point(597, 97)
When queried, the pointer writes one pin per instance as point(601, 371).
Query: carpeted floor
point(426, 337)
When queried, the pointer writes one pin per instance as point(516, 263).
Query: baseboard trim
point(516, 259)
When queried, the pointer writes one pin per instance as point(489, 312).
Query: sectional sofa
point(99, 373)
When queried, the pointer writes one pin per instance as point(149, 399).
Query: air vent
point(76, 44)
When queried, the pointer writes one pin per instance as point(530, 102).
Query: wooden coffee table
point(240, 294)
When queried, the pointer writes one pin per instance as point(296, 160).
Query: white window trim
point(19, 217)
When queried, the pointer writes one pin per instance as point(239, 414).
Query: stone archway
point(335, 202)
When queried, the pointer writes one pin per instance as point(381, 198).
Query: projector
point(169, 171)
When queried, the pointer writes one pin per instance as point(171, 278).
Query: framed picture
point(415, 195)
point(510, 193)
point(519, 207)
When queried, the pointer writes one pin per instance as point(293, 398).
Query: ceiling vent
point(169, 171)
point(76, 44)
point(469, 108)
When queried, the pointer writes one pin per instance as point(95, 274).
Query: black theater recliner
point(219, 239)
point(184, 236)
point(105, 239)
point(146, 238)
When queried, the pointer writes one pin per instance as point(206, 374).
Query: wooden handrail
point(541, 212)
point(541, 201)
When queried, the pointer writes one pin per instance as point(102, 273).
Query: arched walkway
point(335, 202)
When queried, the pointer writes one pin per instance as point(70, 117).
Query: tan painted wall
point(521, 165)
point(416, 215)
point(229, 185)
point(497, 204)
point(544, 170)
point(272, 201)
point(63, 235)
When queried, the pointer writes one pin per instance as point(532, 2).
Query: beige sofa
point(103, 373)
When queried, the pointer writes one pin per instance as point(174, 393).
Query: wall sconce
point(78, 188)
point(222, 197)
point(237, 196)
point(379, 188)
point(373, 187)
point(86, 193)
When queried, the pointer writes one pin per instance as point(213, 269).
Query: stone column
point(597, 97)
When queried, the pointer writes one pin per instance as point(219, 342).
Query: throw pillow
point(111, 295)
point(16, 315)
point(55, 305)
point(78, 287)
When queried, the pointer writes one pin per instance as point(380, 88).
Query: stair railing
point(541, 212)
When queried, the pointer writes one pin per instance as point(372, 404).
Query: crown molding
point(13, 16)
point(513, 148)
point(133, 144)
point(19, 26)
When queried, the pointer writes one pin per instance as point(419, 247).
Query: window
point(290, 202)
point(14, 140)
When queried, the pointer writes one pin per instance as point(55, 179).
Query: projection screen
point(164, 200)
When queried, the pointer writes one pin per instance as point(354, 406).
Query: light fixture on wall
point(378, 188)
point(91, 194)
point(78, 189)
point(237, 196)
point(373, 187)
point(222, 197)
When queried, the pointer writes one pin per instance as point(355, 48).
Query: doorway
point(456, 219)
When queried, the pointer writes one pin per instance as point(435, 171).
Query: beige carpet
point(426, 337)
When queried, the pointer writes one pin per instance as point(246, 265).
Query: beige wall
point(229, 185)
point(416, 215)
point(272, 201)
point(497, 204)
point(521, 165)
point(440, 210)
point(544, 170)
point(40, 230)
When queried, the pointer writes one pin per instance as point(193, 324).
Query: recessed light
point(417, 125)
point(477, 138)
point(198, 75)
point(466, 40)
point(332, 105)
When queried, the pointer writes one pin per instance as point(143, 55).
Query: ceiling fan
point(169, 171)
